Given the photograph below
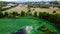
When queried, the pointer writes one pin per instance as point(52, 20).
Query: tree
point(35, 14)
point(22, 13)
point(40, 15)
point(44, 15)
point(15, 14)
point(58, 5)
point(6, 14)
point(43, 5)
point(29, 10)
point(53, 18)
point(1, 15)
point(1, 5)
point(54, 11)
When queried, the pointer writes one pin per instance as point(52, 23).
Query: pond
point(29, 24)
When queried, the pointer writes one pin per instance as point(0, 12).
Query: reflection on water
point(21, 31)
point(26, 30)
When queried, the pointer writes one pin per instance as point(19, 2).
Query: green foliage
point(29, 10)
point(40, 14)
point(4, 9)
point(58, 5)
point(44, 6)
point(54, 18)
point(14, 13)
point(22, 13)
point(35, 14)
point(41, 5)
point(1, 15)
point(46, 30)
point(6, 14)
point(43, 15)
point(54, 11)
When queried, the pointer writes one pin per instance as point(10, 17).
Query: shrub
point(35, 14)
point(58, 5)
point(1, 15)
point(14, 13)
point(29, 10)
point(44, 15)
point(43, 28)
point(22, 13)
point(6, 14)
point(54, 18)
point(54, 11)
point(40, 14)
point(46, 30)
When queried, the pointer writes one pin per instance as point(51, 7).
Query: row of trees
point(1, 5)
point(58, 5)
point(54, 18)
point(41, 5)
point(2, 9)
point(13, 14)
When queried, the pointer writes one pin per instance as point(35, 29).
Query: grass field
point(9, 25)
point(20, 7)
point(48, 10)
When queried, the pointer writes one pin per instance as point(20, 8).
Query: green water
point(9, 25)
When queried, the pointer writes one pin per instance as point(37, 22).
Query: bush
point(6, 14)
point(46, 30)
point(44, 6)
point(54, 18)
point(40, 14)
point(58, 5)
point(43, 28)
point(54, 11)
point(22, 13)
point(1, 15)
point(35, 14)
point(15, 14)
point(29, 10)
point(44, 15)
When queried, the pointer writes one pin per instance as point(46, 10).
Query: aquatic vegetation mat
point(39, 26)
